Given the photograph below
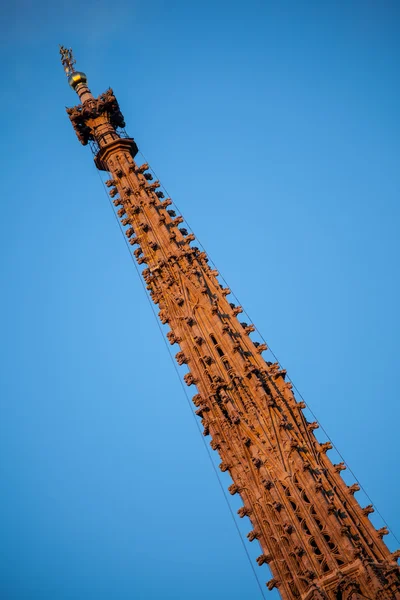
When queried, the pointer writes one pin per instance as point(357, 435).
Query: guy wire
point(277, 360)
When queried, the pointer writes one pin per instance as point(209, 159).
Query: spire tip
point(68, 61)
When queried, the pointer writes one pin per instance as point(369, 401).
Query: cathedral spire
point(313, 534)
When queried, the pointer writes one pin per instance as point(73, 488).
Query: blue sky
point(275, 128)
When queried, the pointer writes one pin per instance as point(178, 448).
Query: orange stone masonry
point(313, 534)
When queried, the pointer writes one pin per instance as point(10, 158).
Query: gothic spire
point(313, 534)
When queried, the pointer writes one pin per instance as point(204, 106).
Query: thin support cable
point(278, 361)
point(186, 394)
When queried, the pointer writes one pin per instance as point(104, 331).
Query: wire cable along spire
point(316, 539)
point(276, 359)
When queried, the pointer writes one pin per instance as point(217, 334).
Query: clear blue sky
point(275, 127)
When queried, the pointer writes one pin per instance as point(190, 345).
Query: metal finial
point(68, 61)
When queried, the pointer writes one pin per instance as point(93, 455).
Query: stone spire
point(313, 534)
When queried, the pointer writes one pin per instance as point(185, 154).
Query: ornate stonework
point(315, 537)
